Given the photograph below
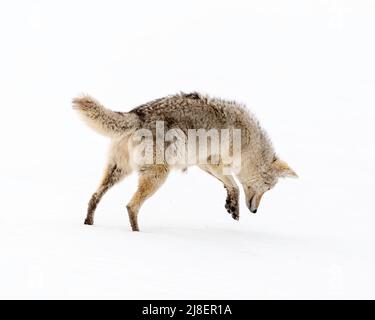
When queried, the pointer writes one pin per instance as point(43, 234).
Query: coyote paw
point(89, 221)
point(133, 218)
point(232, 207)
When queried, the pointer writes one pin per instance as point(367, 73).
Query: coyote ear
point(283, 170)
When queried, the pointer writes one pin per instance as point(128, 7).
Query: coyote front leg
point(231, 203)
point(150, 180)
point(112, 175)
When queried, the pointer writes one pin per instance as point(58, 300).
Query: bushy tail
point(102, 120)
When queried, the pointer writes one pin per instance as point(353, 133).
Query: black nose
point(254, 211)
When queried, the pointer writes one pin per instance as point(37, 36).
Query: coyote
point(259, 167)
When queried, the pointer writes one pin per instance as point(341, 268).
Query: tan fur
point(260, 167)
point(283, 169)
point(150, 179)
point(102, 120)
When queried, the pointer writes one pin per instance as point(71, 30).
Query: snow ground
point(305, 68)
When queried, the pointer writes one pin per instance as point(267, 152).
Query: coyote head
point(264, 180)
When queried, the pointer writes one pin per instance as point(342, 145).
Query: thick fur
point(260, 167)
point(102, 120)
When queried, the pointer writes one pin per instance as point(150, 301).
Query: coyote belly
point(221, 137)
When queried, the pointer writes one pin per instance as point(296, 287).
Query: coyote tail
point(107, 122)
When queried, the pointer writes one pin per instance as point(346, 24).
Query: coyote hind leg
point(150, 180)
point(112, 175)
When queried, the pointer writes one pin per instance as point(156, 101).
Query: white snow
point(306, 68)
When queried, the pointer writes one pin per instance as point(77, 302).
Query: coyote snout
point(253, 203)
point(258, 171)
point(258, 185)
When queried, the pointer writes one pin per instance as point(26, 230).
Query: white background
point(305, 68)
